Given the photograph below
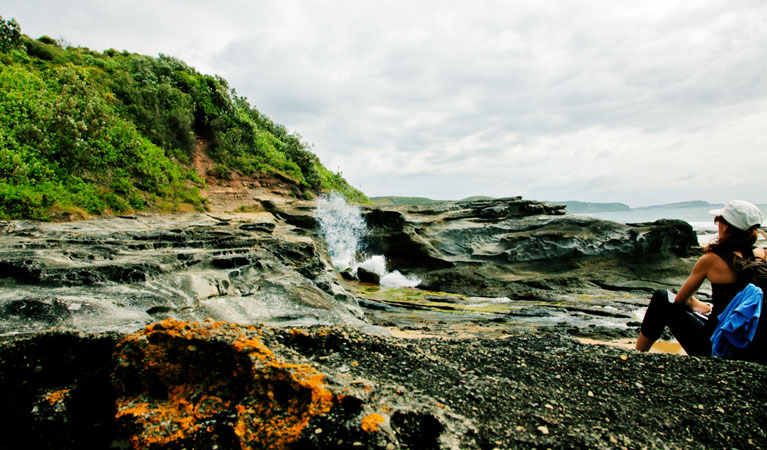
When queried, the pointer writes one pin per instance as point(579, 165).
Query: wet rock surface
point(218, 385)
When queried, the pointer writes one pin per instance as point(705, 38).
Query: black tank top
point(722, 294)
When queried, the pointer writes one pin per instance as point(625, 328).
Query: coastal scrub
point(116, 132)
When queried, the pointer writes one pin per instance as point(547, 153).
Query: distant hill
point(577, 207)
point(677, 205)
point(476, 197)
point(83, 132)
point(393, 201)
point(573, 206)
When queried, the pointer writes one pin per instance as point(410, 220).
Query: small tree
point(10, 34)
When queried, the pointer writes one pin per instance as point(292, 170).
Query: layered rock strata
point(158, 361)
point(577, 272)
point(120, 274)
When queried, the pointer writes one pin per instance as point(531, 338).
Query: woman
point(691, 321)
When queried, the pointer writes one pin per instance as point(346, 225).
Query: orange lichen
point(56, 396)
point(162, 422)
point(323, 332)
point(274, 400)
point(371, 421)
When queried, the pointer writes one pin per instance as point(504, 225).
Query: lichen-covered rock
point(56, 391)
point(185, 384)
point(240, 387)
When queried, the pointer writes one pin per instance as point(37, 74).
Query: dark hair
point(734, 239)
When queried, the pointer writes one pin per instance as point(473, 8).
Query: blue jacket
point(738, 322)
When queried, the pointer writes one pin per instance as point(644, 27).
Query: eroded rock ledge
point(121, 273)
point(520, 248)
point(179, 385)
point(105, 342)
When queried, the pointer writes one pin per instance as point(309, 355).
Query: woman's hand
point(700, 307)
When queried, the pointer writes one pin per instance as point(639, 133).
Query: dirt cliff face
point(216, 385)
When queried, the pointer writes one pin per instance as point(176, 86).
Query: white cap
point(740, 214)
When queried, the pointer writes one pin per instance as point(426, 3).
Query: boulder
point(348, 274)
point(368, 276)
point(296, 213)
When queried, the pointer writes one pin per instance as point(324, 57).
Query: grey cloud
point(450, 99)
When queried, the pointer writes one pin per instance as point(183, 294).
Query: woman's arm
point(691, 286)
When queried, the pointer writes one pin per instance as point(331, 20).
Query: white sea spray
point(343, 228)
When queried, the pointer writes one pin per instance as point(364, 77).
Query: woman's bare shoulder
point(708, 261)
point(718, 271)
point(760, 252)
point(710, 258)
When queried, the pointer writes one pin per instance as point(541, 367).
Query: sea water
point(698, 217)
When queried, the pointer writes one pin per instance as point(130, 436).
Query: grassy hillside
point(114, 132)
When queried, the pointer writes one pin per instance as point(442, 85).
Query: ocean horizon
point(698, 217)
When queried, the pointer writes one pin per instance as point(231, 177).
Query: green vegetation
point(115, 132)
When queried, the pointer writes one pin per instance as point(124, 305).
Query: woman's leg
point(687, 327)
point(644, 343)
point(654, 321)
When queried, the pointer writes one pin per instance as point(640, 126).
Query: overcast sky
point(640, 102)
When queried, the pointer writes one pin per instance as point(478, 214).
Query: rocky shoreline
point(122, 332)
point(217, 385)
